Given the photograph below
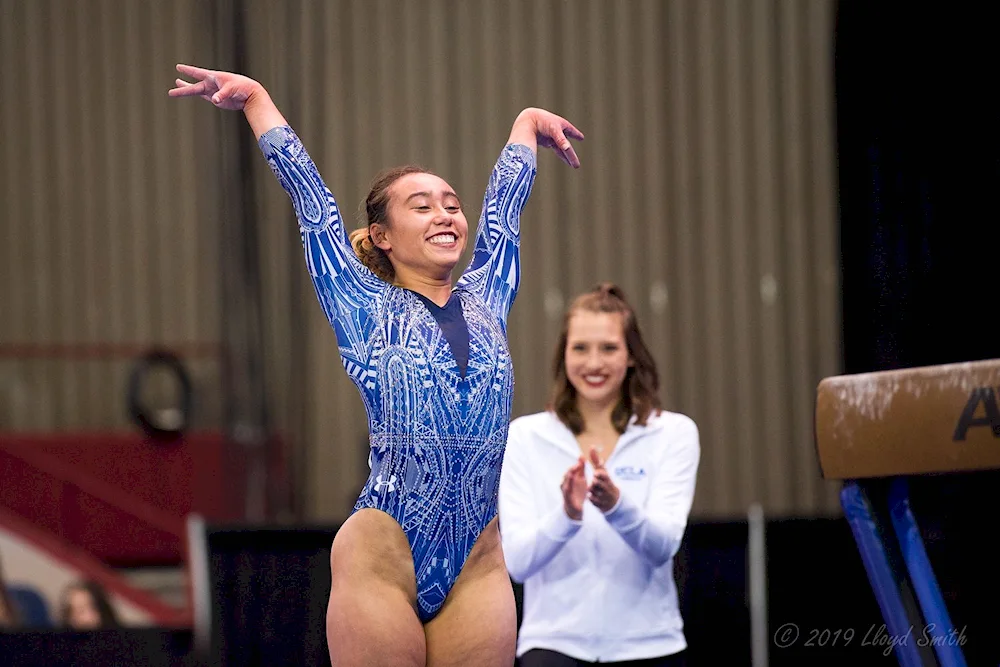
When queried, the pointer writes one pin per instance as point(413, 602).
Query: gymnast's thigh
point(371, 618)
point(477, 624)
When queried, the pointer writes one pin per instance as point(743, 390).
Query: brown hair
point(9, 618)
point(639, 393)
point(377, 211)
point(97, 595)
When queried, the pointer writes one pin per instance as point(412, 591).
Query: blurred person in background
point(9, 617)
point(85, 606)
point(594, 500)
point(418, 576)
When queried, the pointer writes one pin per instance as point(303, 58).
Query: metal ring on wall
point(150, 422)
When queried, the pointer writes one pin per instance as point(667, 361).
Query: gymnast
point(418, 575)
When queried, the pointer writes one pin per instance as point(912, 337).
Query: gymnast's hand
point(223, 89)
point(574, 490)
point(603, 492)
point(538, 127)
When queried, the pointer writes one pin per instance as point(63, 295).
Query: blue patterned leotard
point(437, 430)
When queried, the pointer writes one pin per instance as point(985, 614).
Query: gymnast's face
point(596, 356)
point(427, 229)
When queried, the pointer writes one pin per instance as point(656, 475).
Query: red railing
point(116, 496)
point(86, 511)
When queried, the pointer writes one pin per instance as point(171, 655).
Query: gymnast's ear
point(380, 238)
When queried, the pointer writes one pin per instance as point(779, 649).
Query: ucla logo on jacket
point(630, 473)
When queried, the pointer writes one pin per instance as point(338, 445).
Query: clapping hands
point(601, 491)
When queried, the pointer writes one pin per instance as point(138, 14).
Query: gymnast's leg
point(477, 624)
point(371, 620)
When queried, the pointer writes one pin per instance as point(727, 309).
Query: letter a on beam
point(991, 418)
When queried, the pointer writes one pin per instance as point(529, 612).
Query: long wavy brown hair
point(641, 386)
point(99, 598)
point(9, 618)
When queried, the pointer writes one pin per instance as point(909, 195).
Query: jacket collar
point(559, 435)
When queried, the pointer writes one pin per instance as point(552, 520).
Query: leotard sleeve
point(494, 272)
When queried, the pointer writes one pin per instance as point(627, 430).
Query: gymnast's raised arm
point(494, 272)
point(338, 275)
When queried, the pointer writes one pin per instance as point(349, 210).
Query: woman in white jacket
point(594, 499)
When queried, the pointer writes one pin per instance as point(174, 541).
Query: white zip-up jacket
point(601, 588)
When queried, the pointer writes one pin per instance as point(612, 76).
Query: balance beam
point(932, 419)
point(877, 429)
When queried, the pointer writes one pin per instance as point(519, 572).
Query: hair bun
point(611, 289)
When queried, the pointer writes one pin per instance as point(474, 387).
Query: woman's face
point(427, 229)
point(82, 614)
point(596, 356)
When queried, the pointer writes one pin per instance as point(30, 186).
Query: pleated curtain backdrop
point(708, 192)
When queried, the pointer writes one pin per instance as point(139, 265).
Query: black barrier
point(260, 594)
point(119, 647)
point(711, 572)
point(821, 610)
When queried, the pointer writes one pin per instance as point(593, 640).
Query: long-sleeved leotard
point(437, 431)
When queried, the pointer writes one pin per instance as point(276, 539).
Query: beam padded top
point(931, 419)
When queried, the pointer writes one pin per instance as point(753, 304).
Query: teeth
point(594, 378)
point(442, 239)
